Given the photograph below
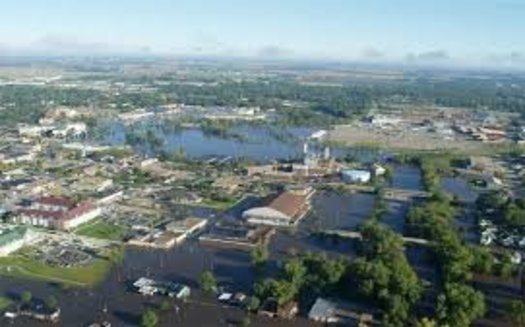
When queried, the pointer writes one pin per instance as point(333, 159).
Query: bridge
point(357, 235)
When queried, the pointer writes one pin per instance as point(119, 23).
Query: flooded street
point(113, 300)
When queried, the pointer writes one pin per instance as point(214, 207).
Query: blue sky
point(461, 30)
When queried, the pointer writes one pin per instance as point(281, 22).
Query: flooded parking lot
point(339, 210)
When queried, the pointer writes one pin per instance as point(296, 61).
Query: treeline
point(306, 102)
point(458, 303)
point(26, 104)
point(381, 276)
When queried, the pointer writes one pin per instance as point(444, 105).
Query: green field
point(4, 302)
point(219, 205)
point(102, 230)
point(23, 267)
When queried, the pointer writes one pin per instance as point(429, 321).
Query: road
point(357, 235)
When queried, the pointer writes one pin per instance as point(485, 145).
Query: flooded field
point(259, 143)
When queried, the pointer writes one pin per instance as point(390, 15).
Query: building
point(13, 154)
point(33, 130)
point(286, 209)
point(57, 213)
point(150, 287)
point(237, 236)
point(356, 176)
point(341, 313)
point(12, 239)
point(52, 203)
point(109, 196)
point(188, 225)
point(272, 309)
point(72, 129)
point(378, 170)
point(324, 311)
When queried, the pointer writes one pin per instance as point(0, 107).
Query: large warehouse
point(286, 209)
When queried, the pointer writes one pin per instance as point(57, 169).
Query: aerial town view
point(210, 184)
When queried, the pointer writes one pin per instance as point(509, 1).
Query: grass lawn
point(219, 205)
point(102, 230)
point(23, 267)
point(4, 302)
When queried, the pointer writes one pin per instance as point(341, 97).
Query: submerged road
point(391, 193)
point(357, 235)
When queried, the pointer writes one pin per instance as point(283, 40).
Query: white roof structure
point(265, 212)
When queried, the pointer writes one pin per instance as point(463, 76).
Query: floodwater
point(395, 215)
point(406, 177)
point(459, 187)
point(259, 143)
point(182, 264)
point(232, 268)
point(334, 210)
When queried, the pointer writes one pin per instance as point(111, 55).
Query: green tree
point(459, 305)
point(253, 304)
point(259, 255)
point(207, 281)
point(26, 297)
point(246, 321)
point(483, 260)
point(516, 312)
point(426, 322)
point(149, 319)
point(514, 214)
point(378, 241)
point(52, 302)
point(295, 272)
point(505, 268)
point(165, 305)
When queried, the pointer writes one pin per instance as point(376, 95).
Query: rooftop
point(288, 203)
point(60, 201)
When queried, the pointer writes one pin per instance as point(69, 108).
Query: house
point(72, 129)
point(145, 286)
point(38, 310)
point(179, 291)
point(521, 243)
point(324, 311)
point(356, 176)
point(509, 240)
point(487, 237)
point(272, 309)
point(33, 130)
point(341, 313)
point(285, 209)
point(150, 287)
point(13, 154)
point(516, 258)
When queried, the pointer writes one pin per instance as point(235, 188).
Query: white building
point(356, 176)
